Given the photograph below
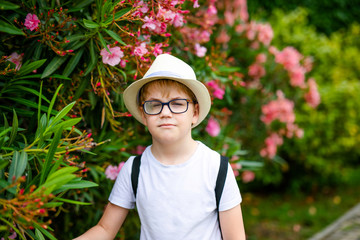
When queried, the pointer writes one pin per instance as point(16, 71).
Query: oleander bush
point(64, 66)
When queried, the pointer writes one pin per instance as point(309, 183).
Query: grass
point(285, 216)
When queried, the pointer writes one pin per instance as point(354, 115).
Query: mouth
point(166, 125)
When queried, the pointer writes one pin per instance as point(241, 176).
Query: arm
point(232, 225)
point(109, 224)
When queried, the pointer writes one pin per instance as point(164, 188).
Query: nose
point(166, 110)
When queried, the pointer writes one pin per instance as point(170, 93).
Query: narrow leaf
point(72, 201)
point(14, 130)
point(93, 58)
point(31, 67)
point(5, 5)
point(55, 63)
point(62, 113)
point(117, 15)
point(18, 165)
point(90, 24)
point(53, 102)
point(39, 235)
point(73, 63)
point(8, 28)
point(50, 155)
point(102, 41)
point(115, 36)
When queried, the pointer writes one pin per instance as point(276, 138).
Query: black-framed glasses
point(154, 107)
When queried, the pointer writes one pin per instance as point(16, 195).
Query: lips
point(166, 125)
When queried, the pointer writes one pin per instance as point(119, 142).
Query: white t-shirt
point(177, 201)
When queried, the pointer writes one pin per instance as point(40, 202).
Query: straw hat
point(166, 66)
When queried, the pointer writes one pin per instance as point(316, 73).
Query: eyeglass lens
point(176, 106)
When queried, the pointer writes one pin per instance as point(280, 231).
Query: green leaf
point(44, 231)
point(55, 63)
point(50, 155)
point(102, 41)
point(8, 28)
point(90, 24)
point(72, 201)
point(83, 3)
point(5, 131)
point(61, 172)
point(93, 58)
point(5, 5)
point(65, 124)
point(3, 164)
point(14, 130)
point(115, 36)
point(18, 165)
point(73, 63)
point(117, 15)
point(39, 235)
point(30, 90)
point(25, 69)
point(76, 185)
point(53, 102)
point(62, 113)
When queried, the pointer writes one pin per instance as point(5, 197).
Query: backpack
point(220, 180)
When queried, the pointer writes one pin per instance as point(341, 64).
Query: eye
point(180, 102)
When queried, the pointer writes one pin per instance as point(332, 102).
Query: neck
point(172, 154)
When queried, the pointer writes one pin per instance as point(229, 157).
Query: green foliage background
point(327, 155)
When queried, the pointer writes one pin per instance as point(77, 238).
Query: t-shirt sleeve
point(122, 193)
point(231, 196)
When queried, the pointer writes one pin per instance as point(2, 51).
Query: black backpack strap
point(220, 182)
point(135, 173)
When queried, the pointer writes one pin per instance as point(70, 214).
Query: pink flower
point(271, 144)
point(154, 25)
point(112, 58)
point(248, 176)
point(31, 21)
point(280, 109)
point(112, 172)
point(312, 97)
point(297, 77)
point(142, 8)
point(218, 92)
point(16, 59)
point(265, 33)
point(261, 58)
point(256, 71)
point(140, 149)
point(157, 49)
point(140, 50)
point(289, 57)
point(223, 37)
point(236, 167)
point(213, 127)
point(200, 50)
point(196, 4)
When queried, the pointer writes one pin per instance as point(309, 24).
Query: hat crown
point(169, 66)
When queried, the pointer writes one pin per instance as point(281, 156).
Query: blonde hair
point(164, 86)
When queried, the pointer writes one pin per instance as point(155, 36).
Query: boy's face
point(167, 127)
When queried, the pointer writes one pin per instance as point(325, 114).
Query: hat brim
point(201, 93)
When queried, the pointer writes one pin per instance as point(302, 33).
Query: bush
point(255, 87)
point(329, 150)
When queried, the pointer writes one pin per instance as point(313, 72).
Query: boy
point(175, 195)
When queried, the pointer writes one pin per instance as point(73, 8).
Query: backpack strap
point(220, 182)
point(135, 173)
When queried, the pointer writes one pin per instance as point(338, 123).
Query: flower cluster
point(213, 127)
point(112, 172)
point(217, 91)
point(27, 208)
point(282, 110)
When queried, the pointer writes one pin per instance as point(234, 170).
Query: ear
point(196, 114)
